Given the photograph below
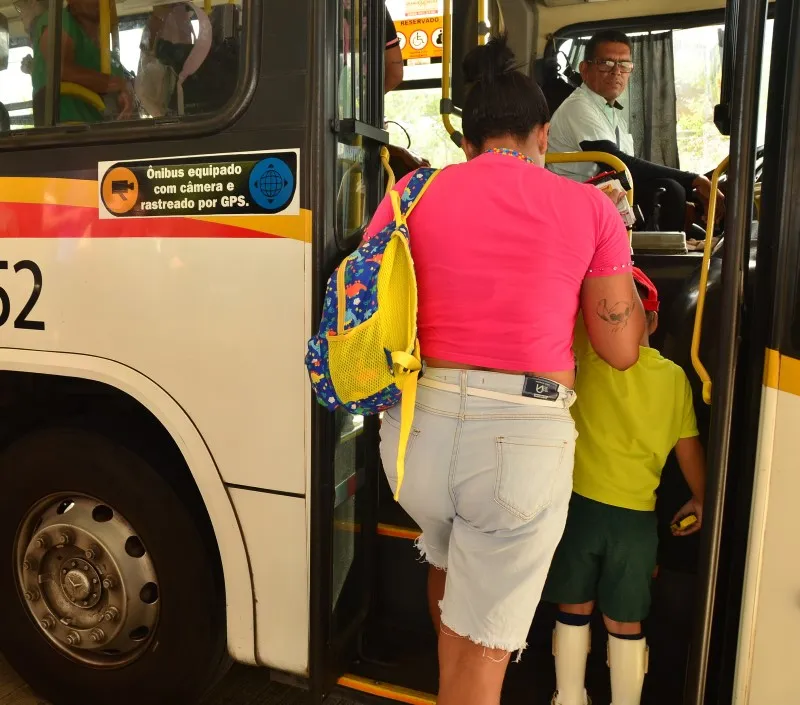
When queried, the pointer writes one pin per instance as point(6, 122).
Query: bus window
point(691, 66)
point(353, 37)
point(187, 58)
point(698, 72)
point(356, 37)
point(180, 59)
point(16, 91)
point(414, 123)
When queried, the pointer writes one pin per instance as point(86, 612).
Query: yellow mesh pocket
point(360, 359)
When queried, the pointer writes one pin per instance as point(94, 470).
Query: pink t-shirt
point(501, 247)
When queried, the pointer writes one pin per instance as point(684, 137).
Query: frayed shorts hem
point(431, 557)
point(510, 647)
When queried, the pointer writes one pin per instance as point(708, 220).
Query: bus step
point(386, 690)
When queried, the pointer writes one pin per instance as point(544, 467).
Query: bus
point(173, 497)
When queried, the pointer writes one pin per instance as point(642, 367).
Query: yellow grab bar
point(602, 157)
point(105, 36)
point(387, 167)
point(447, 61)
point(483, 21)
point(702, 373)
point(77, 91)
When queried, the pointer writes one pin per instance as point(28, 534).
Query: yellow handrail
point(699, 368)
point(387, 167)
point(447, 60)
point(77, 91)
point(483, 20)
point(105, 36)
point(602, 157)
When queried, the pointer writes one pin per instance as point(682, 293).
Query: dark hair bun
point(490, 61)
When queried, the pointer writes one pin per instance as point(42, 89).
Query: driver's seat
point(556, 87)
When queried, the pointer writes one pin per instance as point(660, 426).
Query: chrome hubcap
point(87, 579)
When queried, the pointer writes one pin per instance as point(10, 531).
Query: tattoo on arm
point(616, 315)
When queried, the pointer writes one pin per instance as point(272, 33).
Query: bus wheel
point(108, 591)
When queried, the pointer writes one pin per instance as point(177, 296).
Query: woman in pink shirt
point(506, 255)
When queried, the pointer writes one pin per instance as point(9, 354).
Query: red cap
point(650, 301)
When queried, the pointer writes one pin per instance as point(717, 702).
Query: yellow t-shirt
point(627, 422)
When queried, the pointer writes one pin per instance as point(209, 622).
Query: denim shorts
point(488, 478)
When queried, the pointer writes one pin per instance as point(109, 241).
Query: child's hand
point(693, 506)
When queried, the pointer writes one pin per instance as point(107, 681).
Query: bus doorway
point(399, 644)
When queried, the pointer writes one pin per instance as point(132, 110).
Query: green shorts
point(607, 554)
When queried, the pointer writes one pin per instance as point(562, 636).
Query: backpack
point(366, 358)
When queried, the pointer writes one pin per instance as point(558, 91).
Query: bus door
point(345, 461)
point(734, 388)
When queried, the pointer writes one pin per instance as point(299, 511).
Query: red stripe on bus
point(30, 220)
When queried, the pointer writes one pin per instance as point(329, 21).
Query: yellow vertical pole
point(105, 36)
point(483, 21)
point(447, 60)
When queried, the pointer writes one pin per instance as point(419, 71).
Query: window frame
point(145, 129)
point(641, 23)
point(365, 124)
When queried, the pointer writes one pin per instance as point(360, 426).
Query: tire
point(184, 653)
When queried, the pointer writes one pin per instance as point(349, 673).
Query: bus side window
point(353, 42)
point(180, 59)
point(189, 59)
point(16, 88)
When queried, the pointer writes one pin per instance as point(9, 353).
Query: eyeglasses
point(607, 65)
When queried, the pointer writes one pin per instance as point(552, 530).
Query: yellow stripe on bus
point(772, 368)
point(81, 193)
point(48, 191)
point(292, 227)
point(386, 690)
point(782, 372)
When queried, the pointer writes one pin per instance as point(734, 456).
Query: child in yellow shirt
point(628, 422)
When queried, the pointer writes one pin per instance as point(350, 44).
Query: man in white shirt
point(591, 120)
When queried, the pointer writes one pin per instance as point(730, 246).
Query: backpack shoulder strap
point(403, 204)
point(417, 186)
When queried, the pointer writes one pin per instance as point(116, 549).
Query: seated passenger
point(591, 120)
point(505, 255)
point(80, 64)
point(627, 422)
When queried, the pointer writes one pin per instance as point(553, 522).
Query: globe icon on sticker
point(272, 184)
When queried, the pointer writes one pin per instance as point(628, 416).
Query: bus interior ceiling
point(399, 645)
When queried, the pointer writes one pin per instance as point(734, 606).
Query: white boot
point(627, 659)
point(570, 648)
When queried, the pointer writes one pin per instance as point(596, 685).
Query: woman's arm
point(73, 72)
point(614, 318)
point(692, 461)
